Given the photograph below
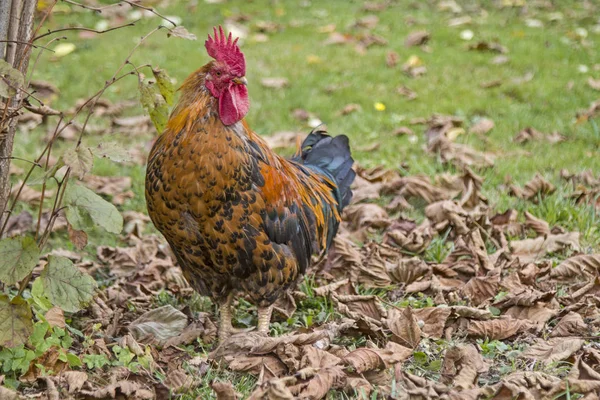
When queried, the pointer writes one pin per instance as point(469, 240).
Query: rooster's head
point(225, 78)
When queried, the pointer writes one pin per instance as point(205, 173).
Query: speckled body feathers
point(238, 216)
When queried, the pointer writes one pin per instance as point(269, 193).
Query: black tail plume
point(330, 155)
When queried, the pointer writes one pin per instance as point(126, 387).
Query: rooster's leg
point(225, 327)
point(264, 319)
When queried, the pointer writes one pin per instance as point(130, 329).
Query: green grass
point(451, 86)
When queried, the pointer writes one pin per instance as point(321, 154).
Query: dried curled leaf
point(555, 349)
point(571, 324)
point(498, 329)
point(181, 32)
point(576, 267)
point(224, 391)
point(540, 227)
point(364, 359)
point(404, 327)
point(408, 270)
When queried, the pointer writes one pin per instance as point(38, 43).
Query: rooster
point(239, 218)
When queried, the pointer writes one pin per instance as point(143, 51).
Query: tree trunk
point(16, 29)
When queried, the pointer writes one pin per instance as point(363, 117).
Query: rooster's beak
point(240, 81)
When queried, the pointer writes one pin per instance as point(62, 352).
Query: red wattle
point(233, 104)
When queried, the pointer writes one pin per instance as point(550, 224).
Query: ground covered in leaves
point(461, 283)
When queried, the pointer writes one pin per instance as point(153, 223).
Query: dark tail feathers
point(330, 155)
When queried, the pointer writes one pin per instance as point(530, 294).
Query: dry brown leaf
point(594, 83)
point(404, 327)
point(391, 59)
point(462, 364)
point(318, 382)
point(489, 46)
point(330, 288)
point(540, 227)
point(77, 237)
point(415, 241)
point(499, 329)
point(408, 270)
point(528, 134)
point(406, 92)
point(577, 267)
point(366, 215)
point(535, 313)
point(313, 357)
point(74, 380)
point(224, 391)
point(364, 359)
point(571, 324)
point(472, 313)
point(180, 382)
point(274, 83)
point(417, 38)
point(482, 126)
point(481, 289)
point(529, 250)
point(368, 22)
point(552, 350)
point(373, 272)
point(129, 389)
point(55, 317)
point(349, 109)
point(268, 366)
point(432, 320)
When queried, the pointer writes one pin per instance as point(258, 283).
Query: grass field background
point(552, 53)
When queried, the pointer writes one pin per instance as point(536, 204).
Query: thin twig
point(120, 3)
point(21, 159)
point(77, 28)
point(37, 46)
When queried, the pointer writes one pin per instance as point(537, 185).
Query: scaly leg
point(264, 319)
point(225, 327)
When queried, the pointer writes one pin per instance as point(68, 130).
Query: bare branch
point(37, 46)
point(120, 3)
point(84, 29)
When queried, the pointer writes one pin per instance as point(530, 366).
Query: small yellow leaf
point(313, 59)
point(454, 133)
point(413, 61)
point(379, 106)
point(63, 49)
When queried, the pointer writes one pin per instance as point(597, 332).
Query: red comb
point(226, 50)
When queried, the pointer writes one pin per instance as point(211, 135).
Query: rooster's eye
point(218, 73)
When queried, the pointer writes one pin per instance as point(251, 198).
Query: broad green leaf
point(165, 86)
point(113, 151)
point(154, 104)
point(65, 285)
point(10, 80)
point(80, 160)
point(38, 177)
point(181, 32)
point(86, 209)
point(38, 297)
point(18, 257)
point(16, 321)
